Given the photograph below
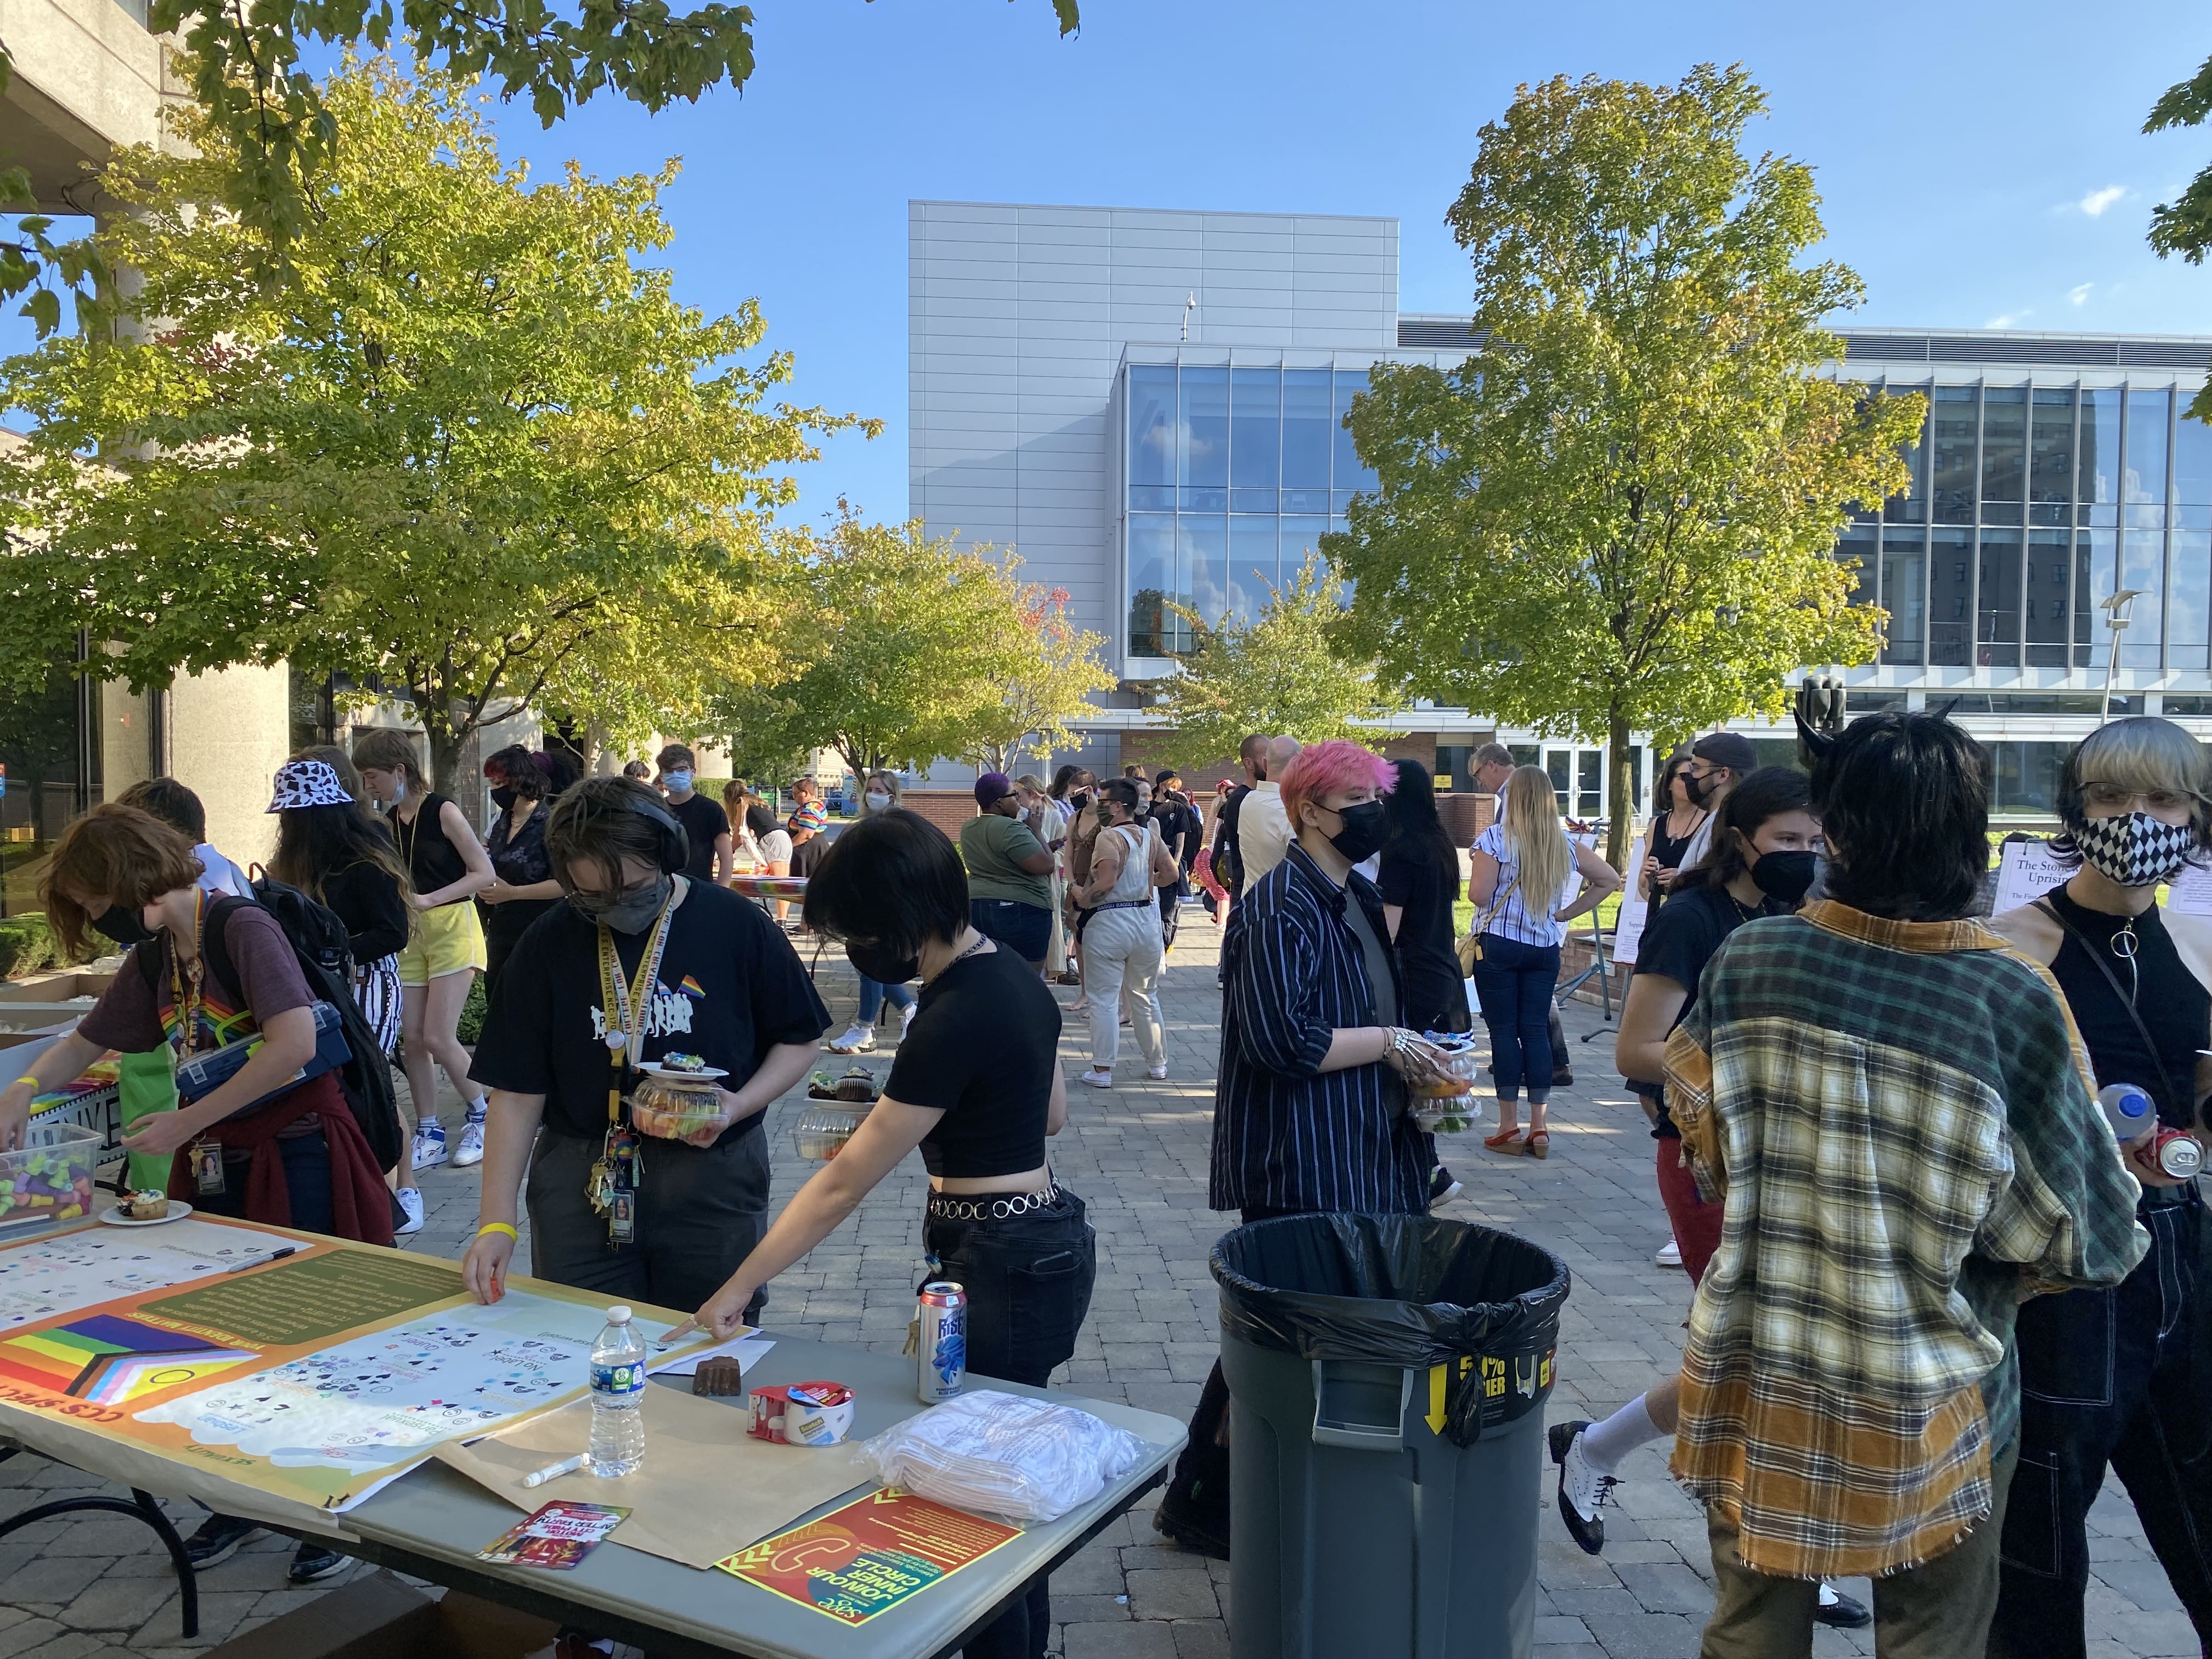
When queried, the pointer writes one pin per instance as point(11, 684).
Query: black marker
point(290, 1249)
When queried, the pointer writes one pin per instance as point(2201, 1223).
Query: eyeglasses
point(2116, 798)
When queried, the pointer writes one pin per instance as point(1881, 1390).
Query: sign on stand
point(2026, 871)
point(1628, 925)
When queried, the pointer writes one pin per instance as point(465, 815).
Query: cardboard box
point(382, 1616)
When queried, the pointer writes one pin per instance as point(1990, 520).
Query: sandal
point(1540, 1143)
point(1502, 1142)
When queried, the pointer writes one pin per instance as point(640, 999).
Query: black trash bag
point(1481, 1306)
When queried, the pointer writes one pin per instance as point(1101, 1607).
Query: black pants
point(1028, 1279)
point(2107, 1378)
point(306, 1184)
point(700, 1212)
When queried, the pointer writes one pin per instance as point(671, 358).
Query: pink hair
point(1326, 768)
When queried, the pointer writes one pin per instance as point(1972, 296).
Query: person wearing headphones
point(639, 964)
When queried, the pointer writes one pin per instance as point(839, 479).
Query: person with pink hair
point(1309, 1104)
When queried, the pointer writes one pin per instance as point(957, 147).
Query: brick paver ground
point(79, 1588)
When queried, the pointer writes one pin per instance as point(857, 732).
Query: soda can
point(943, 1353)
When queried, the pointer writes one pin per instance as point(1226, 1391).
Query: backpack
point(323, 949)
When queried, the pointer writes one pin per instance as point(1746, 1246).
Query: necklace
point(982, 939)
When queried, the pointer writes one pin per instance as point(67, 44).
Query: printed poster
point(2026, 871)
point(872, 1554)
point(1628, 925)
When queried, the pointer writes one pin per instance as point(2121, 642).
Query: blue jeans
point(1024, 929)
point(874, 996)
point(1515, 981)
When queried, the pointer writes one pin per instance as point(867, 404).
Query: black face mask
point(876, 963)
point(1080, 800)
point(1785, 876)
point(503, 797)
point(123, 927)
point(1699, 790)
point(1361, 838)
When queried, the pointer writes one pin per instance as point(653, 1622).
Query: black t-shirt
point(730, 988)
point(2168, 997)
point(982, 1050)
point(1416, 881)
point(1678, 941)
point(702, 821)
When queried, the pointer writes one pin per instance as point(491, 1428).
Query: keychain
point(206, 1160)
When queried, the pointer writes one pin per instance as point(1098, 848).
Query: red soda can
point(942, 1353)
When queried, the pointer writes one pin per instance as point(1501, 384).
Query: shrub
point(470, 1030)
point(27, 945)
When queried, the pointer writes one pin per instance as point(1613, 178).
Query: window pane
point(2143, 567)
point(2051, 457)
point(1306, 437)
point(1152, 426)
point(1998, 635)
point(1202, 564)
point(2004, 452)
point(1858, 542)
point(1205, 459)
point(2048, 589)
point(1904, 591)
point(1950, 592)
point(1912, 507)
point(1152, 578)
point(1251, 564)
point(2096, 574)
point(2188, 627)
point(1350, 474)
point(1255, 427)
point(1301, 542)
point(1589, 779)
point(1952, 421)
point(2100, 446)
point(2147, 448)
point(2193, 463)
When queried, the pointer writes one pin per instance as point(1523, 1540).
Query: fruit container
point(824, 1129)
point(49, 1177)
point(674, 1108)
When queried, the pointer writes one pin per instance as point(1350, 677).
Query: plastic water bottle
point(2128, 1108)
point(618, 1396)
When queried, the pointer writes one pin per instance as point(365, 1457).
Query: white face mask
point(878, 800)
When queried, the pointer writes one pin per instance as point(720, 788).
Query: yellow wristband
point(499, 1227)
point(27, 1078)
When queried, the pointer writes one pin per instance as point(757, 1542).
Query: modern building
point(1147, 407)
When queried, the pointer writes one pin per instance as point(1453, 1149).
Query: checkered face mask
point(2135, 850)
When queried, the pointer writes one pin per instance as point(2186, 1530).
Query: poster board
point(2190, 893)
point(1628, 925)
point(313, 1370)
point(2026, 871)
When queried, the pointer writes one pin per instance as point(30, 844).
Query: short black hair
point(675, 755)
point(171, 802)
point(518, 767)
point(1122, 791)
point(1766, 794)
point(893, 879)
point(1904, 803)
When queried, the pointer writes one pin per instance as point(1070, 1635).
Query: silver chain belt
point(991, 1209)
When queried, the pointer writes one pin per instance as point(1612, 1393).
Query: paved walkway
point(75, 1589)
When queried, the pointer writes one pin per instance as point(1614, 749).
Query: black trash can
point(1387, 1378)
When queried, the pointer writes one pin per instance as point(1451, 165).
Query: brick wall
point(1465, 816)
point(948, 809)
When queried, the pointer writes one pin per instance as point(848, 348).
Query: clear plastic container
point(673, 1109)
point(824, 1129)
point(49, 1177)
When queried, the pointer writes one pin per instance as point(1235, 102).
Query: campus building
point(1146, 406)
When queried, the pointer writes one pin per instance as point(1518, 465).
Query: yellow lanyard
point(185, 985)
point(625, 1004)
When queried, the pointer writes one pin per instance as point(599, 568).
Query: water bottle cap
point(618, 1315)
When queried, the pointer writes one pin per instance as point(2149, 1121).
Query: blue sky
point(1980, 163)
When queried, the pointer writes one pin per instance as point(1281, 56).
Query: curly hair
point(123, 855)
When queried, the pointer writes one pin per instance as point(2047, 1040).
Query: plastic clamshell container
point(663, 1107)
point(824, 1129)
point(49, 1177)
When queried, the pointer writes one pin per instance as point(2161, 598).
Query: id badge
point(622, 1218)
point(624, 1159)
point(206, 1157)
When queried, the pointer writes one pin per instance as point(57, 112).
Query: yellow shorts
point(445, 941)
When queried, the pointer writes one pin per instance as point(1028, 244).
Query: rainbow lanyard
point(626, 1004)
point(185, 985)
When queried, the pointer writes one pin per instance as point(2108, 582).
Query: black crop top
point(982, 1050)
point(433, 861)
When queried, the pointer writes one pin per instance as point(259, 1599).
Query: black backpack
point(324, 953)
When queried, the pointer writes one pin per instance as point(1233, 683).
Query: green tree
point(473, 451)
point(242, 63)
point(1281, 673)
point(2185, 225)
point(1620, 512)
point(900, 648)
point(1059, 669)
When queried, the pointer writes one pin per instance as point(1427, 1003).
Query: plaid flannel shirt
point(1902, 1123)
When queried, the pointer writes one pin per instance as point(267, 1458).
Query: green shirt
point(993, 847)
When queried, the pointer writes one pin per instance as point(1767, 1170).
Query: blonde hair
point(891, 788)
point(1536, 839)
point(2143, 752)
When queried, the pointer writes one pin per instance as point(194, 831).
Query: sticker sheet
point(70, 1272)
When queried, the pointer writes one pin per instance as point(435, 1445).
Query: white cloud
point(2097, 201)
point(2079, 295)
point(2011, 318)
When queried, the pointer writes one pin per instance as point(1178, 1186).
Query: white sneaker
point(410, 1201)
point(1155, 1073)
point(859, 1039)
point(1097, 1078)
point(429, 1144)
point(1670, 1254)
point(470, 1151)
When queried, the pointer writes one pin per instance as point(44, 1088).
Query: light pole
point(2116, 606)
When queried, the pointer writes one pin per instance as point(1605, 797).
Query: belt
point(992, 1208)
point(1125, 904)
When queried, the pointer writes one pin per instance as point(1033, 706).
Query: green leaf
point(44, 309)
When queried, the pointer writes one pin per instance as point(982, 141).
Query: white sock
point(429, 1121)
point(1606, 1444)
point(479, 1109)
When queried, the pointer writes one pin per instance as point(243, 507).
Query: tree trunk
point(445, 751)
point(1621, 821)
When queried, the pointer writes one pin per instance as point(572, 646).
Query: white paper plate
point(706, 1074)
point(114, 1216)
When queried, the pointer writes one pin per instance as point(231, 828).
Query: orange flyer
point(872, 1554)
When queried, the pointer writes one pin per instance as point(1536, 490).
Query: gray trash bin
point(1387, 1376)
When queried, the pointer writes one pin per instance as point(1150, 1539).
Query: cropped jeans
point(1516, 981)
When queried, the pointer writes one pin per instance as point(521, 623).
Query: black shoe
point(1842, 1614)
point(218, 1539)
point(1189, 1536)
point(1563, 1076)
point(313, 1561)
point(1590, 1487)
point(1442, 1187)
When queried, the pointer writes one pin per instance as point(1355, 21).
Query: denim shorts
point(1024, 929)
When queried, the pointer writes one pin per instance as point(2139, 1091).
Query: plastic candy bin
point(50, 1179)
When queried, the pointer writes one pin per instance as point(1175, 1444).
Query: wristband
point(27, 1078)
point(499, 1227)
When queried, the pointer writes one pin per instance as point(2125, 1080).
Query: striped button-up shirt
point(1287, 1135)
point(1902, 1119)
